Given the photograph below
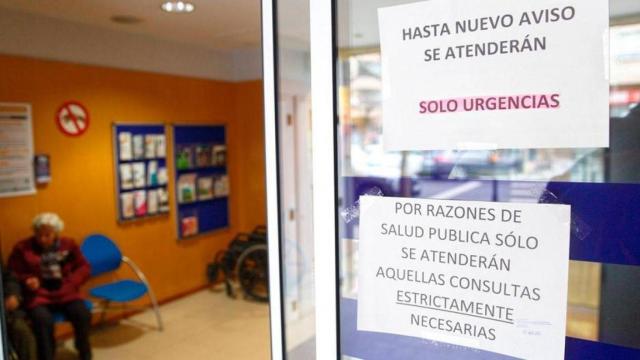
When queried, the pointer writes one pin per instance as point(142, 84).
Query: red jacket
point(24, 262)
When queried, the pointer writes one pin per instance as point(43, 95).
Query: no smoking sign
point(72, 118)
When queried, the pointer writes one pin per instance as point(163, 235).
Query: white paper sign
point(17, 175)
point(490, 276)
point(493, 74)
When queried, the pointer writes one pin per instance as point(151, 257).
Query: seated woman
point(52, 269)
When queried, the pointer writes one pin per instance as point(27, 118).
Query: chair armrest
point(132, 265)
point(136, 270)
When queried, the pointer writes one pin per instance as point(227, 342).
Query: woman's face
point(46, 236)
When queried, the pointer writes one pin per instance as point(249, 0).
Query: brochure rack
point(201, 181)
point(140, 153)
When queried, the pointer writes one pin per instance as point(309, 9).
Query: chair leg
point(152, 296)
point(156, 309)
point(103, 314)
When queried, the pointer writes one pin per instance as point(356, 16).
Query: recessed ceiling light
point(178, 7)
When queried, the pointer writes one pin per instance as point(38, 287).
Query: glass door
point(290, 184)
point(579, 183)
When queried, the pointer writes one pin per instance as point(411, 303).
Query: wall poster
point(484, 275)
point(495, 74)
point(16, 150)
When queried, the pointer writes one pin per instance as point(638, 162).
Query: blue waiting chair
point(104, 256)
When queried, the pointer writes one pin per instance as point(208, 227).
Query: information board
point(484, 275)
point(495, 74)
point(140, 152)
point(202, 183)
point(16, 150)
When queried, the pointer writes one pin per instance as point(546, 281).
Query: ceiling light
point(178, 7)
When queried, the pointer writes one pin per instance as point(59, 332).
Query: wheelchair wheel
point(252, 272)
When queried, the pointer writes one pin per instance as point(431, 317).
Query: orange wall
point(83, 186)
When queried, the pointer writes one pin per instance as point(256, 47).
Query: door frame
point(324, 125)
point(270, 84)
point(324, 165)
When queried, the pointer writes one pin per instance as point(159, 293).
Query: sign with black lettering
point(495, 74)
point(485, 275)
point(16, 150)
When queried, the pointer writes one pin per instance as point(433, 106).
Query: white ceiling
point(358, 20)
point(41, 37)
point(231, 24)
point(293, 24)
point(215, 24)
point(622, 8)
point(218, 40)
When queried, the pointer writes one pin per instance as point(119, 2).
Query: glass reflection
point(602, 298)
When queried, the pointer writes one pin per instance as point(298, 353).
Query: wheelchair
point(243, 265)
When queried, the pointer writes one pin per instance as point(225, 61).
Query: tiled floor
point(205, 325)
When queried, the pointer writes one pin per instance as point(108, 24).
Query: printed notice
point(495, 74)
point(489, 276)
point(16, 150)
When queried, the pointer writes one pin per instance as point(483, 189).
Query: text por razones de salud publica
point(473, 283)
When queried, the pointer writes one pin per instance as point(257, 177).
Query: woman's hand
point(64, 290)
point(11, 303)
point(33, 283)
